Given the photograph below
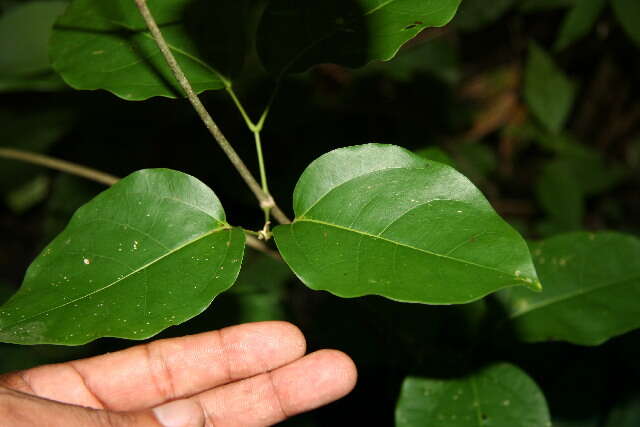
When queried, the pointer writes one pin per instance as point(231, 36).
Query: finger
point(23, 410)
point(150, 374)
point(268, 398)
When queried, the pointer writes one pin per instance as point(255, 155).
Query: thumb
point(23, 410)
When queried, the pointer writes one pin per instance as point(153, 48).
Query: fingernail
point(179, 413)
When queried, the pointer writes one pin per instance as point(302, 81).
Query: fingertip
point(315, 380)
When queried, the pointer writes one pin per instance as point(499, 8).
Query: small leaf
point(592, 283)
point(499, 395)
point(579, 22)
point(628, 14)
point(477, 14)
point(294, 35)
point(105, 45)
point(150, 252)
point(549, 93)
point(377, 219)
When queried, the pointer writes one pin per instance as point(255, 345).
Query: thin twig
point(259, 245)
point(102, 178)
point(57, 164)
point(266, 201)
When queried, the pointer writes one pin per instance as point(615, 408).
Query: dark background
point(458, 89)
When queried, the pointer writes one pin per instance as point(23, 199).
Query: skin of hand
point(256, 374)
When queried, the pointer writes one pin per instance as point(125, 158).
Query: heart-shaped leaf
point(592, 284)
point(499, 395)
point(150, 252)
point(295, 35)
point(105, 45)
point(377, 219)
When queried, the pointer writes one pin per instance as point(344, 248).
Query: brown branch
point(266, 201)
point(57, 164)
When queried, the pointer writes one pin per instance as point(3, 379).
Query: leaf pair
point(155, 249)
point(105, 45)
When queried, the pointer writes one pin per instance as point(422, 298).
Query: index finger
point(150, 374)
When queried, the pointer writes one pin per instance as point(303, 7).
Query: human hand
point(254, 374)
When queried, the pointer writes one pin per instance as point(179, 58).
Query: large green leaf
point(295, 35)
point(377, 219)
point(628, 14)
point(105, 45)
point(591, 289)
point(148, 253)
point(499, 395)
point(547, 90)
point(579, 22)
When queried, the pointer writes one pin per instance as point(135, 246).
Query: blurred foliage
point(536, 101)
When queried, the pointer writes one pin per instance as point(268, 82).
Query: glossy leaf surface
point(377, 219)
point(105, 45)
point(148, 253)
point(591, 289)
point(548, 91)
point(295, 35)
point(500, 395)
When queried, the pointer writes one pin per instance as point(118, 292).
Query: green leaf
point(626, 413)
point(628, 14)
point(34, 130)
point(548, 92)
point(560, 193)
point(295, 35)
point(477, 14)
point(436, 154)
point(24, 37)
point(377, 219)
point(499, 395)
point(105, 45)
point(591, 287)
point(150, 252)
point(26, 196)
point(579, 22)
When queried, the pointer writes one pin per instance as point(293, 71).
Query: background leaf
point(150, 252)
point(24, 37)
point(377, 219)
point(628, 14)
point(591, 285)
point(294, 36)
point(499, 395)
point(105, 45)
point(579, 22)
point(477, 14)
point(548, 92)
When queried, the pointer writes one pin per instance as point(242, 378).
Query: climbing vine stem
point(265, 199)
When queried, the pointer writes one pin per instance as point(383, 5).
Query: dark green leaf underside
point(106, 46)
point(294, 36)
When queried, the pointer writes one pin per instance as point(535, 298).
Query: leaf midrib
point(577, 293)
point(115, 282)
point(373, 236)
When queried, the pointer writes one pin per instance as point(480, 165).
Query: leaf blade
point(119, 266)
point(349, 33)
point(403, 232)
point(591, 283)
point(500, 395)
